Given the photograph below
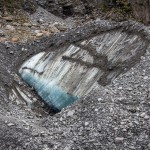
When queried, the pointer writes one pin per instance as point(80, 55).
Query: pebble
point(2, 39)
point(37, 31)
point(99, 99)
point(86, 123)
point(70, 113)
point(119, 139)
point(53, 29)
point(143, 115)
point(2, 33)
point(8, 18)
point(39, 34)
point(11, 52)
point(10, 27)
point(14, 39)
point(10, 124)
point(146, 117)
point(60, 27)
point(40, 20)
point(27, 24)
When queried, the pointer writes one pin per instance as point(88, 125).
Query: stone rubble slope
point(112, 117)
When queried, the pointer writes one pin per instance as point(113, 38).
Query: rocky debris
point(14, 29)
point(118, 106)
point(30, 6)
point(9, 27)
point(41, 15)
point(113, 126)
point(8, 18)
point(39, 34)
point(69, 7)
point(119, 139)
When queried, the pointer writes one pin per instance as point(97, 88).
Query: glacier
point(62, 75)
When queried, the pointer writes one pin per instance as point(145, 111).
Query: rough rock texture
point(71, 7)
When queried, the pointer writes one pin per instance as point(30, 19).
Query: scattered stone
point(11, 52)
point(2, 39)
point(99, 99)
point(8, 18)
point(53, 29)
point(70, 113)
point(8, 45)
point(40, 20)
point(10, 124)
point(27, 24)
point(10, 27)
point(14, 39)
point(2, 34)
point(60, 27)
point(143, 115)
point(119, 139)
point(37, 31)
point(146, 117)
point(86, 123)
point(39, 34)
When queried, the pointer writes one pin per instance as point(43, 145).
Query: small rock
point(120, 88)
point(67, 148)
point(146, 117)
point(143, 115)
point(37, 31)
point(14, 39)
point(16, 24)
point(46, 33)
point(2, 39)
point(60, 27)
point(124, 130)
point(2, 33)
point(40, 20)
point(99, 99)
point(96, 110)
point(11, 52)
point(119, 139)
point(8, 18)
point(27, 24)
point(39, 34)
point(146, 77)
point(70, 113)
point(24, 49)
point(34, 99)
point(53, 29)
point(10, 124)
point(132, 147)
point(9, 27)
point(86, 123)
point(8, 45)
